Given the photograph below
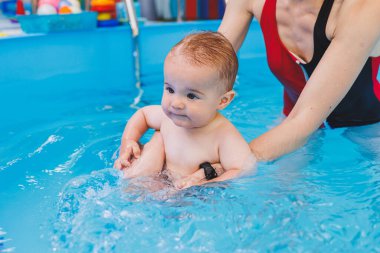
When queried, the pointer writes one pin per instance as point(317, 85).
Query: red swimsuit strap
point(375, 73)
point(281, 62)
point(360, 106)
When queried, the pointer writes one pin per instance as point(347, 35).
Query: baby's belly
point(177, 171)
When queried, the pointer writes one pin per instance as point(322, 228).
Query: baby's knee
point(155, 143)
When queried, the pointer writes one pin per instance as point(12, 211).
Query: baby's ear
point(226, 99)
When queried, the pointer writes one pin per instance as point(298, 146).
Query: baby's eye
point(170, 90)
point(192, 96)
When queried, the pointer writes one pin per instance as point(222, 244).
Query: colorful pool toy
point(69, 6)
point(47, 7)
point(106, 12)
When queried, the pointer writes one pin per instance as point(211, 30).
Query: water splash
point(69, 164)
point(3, 240)
point(10, 163)
point(50, 140)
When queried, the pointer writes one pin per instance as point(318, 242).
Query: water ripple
point(3, 241)
point(51, 139)
point(66, 167)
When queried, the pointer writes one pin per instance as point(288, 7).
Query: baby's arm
point(235, 155)
point(145, 118)
point(235, 159)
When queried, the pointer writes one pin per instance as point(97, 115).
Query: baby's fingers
point(125, 163)
point(117, 164)
point(121, 164)
point(136, 151)
point(132, 150)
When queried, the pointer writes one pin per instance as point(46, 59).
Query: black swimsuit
point(360, 106)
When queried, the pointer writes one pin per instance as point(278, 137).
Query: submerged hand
point(197, 178)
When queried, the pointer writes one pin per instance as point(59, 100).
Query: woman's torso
point(288, 28)
point(295, 23)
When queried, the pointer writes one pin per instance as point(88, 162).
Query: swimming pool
point(64, 104)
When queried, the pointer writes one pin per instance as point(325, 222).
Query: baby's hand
point(129, 151)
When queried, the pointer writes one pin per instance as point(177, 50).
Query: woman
point(326, 53)
point(337, 44)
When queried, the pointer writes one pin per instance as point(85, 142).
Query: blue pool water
point(59, 193)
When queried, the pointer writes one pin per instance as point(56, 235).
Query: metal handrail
point(130, 8)
point(132, 18)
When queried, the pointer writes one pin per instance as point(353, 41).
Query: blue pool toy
point(108, 23)
point(8, 7)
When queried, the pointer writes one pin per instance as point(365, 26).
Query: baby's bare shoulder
point(226, 125)
point(227, 133)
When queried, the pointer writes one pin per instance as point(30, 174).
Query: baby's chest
point(189, 151)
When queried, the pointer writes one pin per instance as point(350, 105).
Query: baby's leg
point(151, 160)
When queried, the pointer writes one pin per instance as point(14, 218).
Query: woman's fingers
point(218, 168)
point(196, 178)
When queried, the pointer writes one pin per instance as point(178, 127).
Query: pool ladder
point(132, 19)
point(131, 12)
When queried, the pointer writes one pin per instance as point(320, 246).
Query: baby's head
point(199, 74)
point(209, 50)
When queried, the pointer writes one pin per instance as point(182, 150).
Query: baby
point(199, 73)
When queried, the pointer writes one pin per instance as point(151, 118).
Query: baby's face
point(191, 97)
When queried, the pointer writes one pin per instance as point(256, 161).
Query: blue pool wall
point(156, 40)
point(103, 53)
point(41, 73)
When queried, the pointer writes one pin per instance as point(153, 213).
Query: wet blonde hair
point(210, 49)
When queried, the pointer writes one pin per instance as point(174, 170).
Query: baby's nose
point(178, 104)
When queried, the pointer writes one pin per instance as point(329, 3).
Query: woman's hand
point(197, 178)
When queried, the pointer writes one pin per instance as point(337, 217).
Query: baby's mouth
point(176, 116)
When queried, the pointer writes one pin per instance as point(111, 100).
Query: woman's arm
point(356, 37)
point(236, 21)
